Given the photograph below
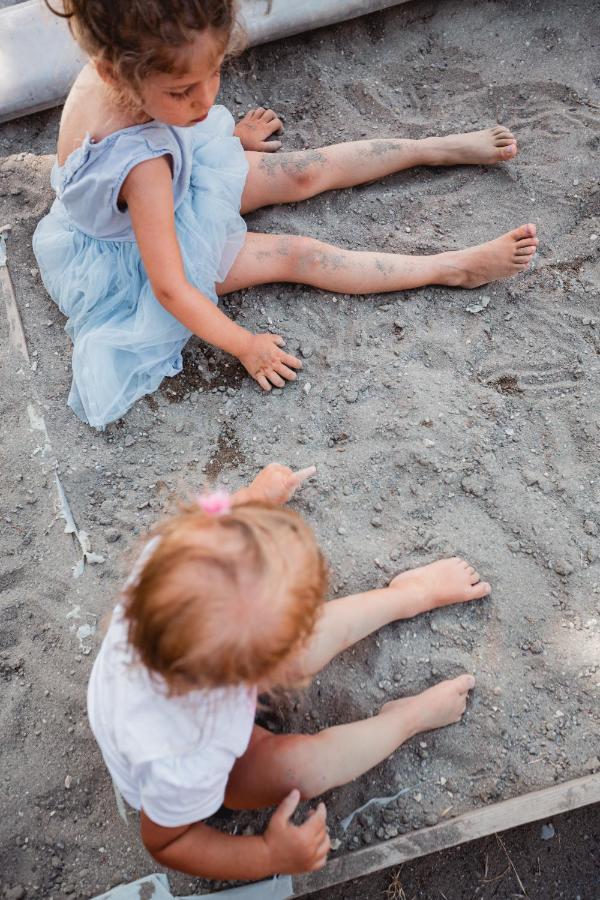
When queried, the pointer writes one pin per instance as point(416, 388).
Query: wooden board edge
point(16, 333)
point(469, 826)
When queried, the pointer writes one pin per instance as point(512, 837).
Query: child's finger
point(285, 372)
point(262, 381)
point(288, 805)
point(271, 146)
point(290, 360)
point(313, 828)
point(274, 124)
point(275, 379)
point(322, 812)
point(324, 847)
point(303, 474)
point(318, 822)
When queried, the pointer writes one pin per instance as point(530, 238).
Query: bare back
point(90, 109)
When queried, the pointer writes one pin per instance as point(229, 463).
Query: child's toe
point(480, 590)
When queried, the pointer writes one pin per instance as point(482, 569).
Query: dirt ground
point(518, 863)
point(441, 421)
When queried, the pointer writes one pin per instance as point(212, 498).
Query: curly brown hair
point(226, 600)
point(141, 37)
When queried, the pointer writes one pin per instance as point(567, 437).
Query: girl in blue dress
point(151, 180)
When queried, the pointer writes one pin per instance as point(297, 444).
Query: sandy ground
point(436, 430)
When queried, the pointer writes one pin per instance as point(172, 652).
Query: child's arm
point(200, 850)
point(148, 192)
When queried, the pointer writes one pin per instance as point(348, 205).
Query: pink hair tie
point(216, 503)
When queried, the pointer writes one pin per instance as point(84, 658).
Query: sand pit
point(441, 421)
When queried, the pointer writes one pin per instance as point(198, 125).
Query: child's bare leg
point(267, 258)
point(348, 620)
point(289, 177)
point(274, 765)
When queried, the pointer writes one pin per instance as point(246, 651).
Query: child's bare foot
point(484, 148)
point(438, 584)
point(443, 704)
point(505, 256)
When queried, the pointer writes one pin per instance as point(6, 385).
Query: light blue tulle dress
point(124, 341)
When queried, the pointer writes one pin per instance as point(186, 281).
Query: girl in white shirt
point(226, 601)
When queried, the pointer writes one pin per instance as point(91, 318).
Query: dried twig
point(511, 864)
point(394, 890)
point(496, 877)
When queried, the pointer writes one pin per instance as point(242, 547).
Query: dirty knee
point(299, 254)
point(307, 171)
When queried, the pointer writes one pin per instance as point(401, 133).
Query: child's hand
point(297, 848)
point(278, 484)
point(263, 358)
point(256, 126)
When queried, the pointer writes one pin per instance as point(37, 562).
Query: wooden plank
point(37, 423)
point(16, 334)
point(469, 826)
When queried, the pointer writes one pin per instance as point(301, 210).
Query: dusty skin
point(441, 705)
point(274, 764)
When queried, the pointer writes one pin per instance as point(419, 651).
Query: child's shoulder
point(88, 112)
point(91, 115)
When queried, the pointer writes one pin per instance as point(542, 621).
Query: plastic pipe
point(288, 17)
point(39, 60)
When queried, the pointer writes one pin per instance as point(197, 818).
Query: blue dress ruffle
point(124, 341)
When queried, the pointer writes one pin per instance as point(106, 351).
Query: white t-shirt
point(171, 756)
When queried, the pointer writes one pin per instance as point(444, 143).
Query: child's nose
point(203, 99)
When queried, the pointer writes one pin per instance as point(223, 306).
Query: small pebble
point(15, 893)
point(563, 567)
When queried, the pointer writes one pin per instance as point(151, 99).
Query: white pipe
point(293, 16)
point(39, 60)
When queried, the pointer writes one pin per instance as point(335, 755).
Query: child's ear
point(105, 70)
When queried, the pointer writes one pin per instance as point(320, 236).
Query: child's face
point(185, 100)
